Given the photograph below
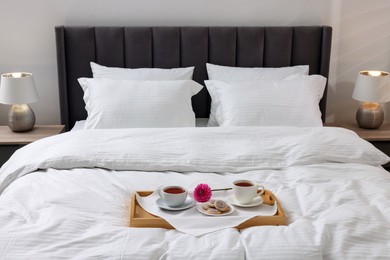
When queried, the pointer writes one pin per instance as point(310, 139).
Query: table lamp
point(371, 87)
point(18, 89)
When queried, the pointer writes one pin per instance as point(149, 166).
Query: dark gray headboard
point(169, 47)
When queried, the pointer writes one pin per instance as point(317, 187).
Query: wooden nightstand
point(11, 141)
point(380, 137)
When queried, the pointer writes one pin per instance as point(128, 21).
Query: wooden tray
point(141, 218)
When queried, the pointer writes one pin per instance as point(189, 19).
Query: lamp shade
point(17, 88)
point(372, 86)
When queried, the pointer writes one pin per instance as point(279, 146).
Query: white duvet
point(68, 196)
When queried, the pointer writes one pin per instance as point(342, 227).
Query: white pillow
point(233, 74)
point(292, 102)
point(100, 71)
point(126, 104)
point(79, 125)
point(226, 73)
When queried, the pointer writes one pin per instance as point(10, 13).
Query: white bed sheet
point(335, 210)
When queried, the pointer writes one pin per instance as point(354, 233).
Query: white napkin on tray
point(191, 221)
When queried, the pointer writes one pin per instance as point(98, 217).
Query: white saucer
point(255, 202)
point(201, 210)
point(187, 204)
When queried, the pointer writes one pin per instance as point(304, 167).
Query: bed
point(68, 196)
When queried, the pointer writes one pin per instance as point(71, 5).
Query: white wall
point(361, 41)
point(361, 36)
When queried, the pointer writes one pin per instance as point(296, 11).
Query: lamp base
point(21, 118)
point(370, 115)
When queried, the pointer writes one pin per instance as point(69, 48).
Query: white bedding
point(76, 206)
point(199, 122)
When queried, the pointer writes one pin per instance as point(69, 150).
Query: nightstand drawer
point(6, 151)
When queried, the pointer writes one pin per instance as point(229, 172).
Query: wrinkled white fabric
point(223, 149)
point(335, 210)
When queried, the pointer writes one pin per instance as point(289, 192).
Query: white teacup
point(245, 191)
point(173, 196)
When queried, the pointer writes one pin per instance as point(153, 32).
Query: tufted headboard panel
point(170, 47)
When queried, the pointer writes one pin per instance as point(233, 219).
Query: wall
point(361, 41)
point(361, 36)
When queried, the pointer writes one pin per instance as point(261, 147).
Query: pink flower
point(202, 193)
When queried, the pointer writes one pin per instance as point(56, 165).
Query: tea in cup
point(173, 196)
point(245, 191)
